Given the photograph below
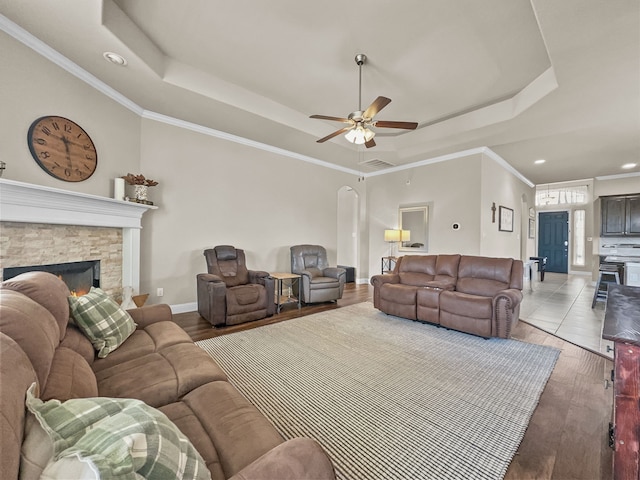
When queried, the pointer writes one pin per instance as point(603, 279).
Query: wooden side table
point(289, 280)
point(388, 264)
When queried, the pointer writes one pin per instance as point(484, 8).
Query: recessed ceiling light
point(115, 58)
point(537, 162)
point(627, 166)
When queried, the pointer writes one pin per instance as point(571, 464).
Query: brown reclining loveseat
point(477, 295)
point(158, 364)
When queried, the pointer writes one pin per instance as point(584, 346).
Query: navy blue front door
point(553, 240)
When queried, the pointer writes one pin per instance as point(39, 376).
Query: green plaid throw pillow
point(101, 320)
point(120, 438)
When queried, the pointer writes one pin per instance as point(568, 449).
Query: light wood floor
point(567, 436)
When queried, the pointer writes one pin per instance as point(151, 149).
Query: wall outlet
point(160, 292)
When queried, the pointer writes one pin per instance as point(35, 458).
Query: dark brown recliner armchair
point(318, 281)
point(230, 293)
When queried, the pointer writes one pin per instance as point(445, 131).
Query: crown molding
point(618, 176)
point(74, 69)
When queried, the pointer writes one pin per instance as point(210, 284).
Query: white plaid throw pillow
point(121, 438)
point(102, 320)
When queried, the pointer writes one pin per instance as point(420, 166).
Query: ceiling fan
point(358, 131)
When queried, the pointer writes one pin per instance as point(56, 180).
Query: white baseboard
point(184, 307)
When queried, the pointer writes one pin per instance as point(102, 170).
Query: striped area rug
point(389, 398)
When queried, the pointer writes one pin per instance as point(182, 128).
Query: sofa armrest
point(335, 272)
point(298, 458)
point(257, 276)
point(511, 295)
point(268, 282)
point(506, 312)
point(378, 280)
point(212, 293)
point(148, 314)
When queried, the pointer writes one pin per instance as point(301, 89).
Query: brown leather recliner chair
point(318, 281)
point(230, 293)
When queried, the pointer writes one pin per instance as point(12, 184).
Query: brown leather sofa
point(158, 364)
point(230, 293)
point(477, 295)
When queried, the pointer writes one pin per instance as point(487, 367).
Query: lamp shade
point(405, 235)
point(392, 235)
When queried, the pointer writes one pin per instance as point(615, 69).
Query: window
point(577, 195)
point(578, 238)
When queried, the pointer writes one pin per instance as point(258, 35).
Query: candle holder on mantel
point(140, 190)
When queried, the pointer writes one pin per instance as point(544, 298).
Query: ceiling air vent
point(376, 163)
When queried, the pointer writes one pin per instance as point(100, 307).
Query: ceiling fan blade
point(377, 105)
point(390, 124)
point(335, 134)
point(335, 119)
point(370, 143)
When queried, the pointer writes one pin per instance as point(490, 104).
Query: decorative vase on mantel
point(140, 192)
point(138, 188)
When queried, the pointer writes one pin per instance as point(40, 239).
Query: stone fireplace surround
point(38, 221)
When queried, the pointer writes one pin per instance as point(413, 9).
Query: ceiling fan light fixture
point(359, 135)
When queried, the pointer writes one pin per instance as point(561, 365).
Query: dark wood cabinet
point(633, 215)
point(621, 216)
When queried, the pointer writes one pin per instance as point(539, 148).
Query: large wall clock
point(62, 148)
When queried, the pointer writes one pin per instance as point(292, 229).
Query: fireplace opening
point(79, 276)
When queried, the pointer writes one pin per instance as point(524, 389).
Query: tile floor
point(561, 305)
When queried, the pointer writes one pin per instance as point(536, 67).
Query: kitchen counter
point(622, 315)
point(621, 258)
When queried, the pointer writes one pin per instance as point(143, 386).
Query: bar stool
point(605, 270)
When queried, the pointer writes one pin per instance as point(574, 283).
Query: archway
point(347, 228)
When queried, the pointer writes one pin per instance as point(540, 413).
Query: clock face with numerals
point(62, 148)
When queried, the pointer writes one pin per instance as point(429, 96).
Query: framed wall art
point(532, 228)
point(505, 219)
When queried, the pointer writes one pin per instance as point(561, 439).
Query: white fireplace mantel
point(28, 203)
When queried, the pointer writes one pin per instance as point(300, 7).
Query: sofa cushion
point(17, 374)
point(397, 299)
point(102, 320)
point(229, 432)
point(47, 290)
point(295, 458)
point(151, 339)
point(467, 305)
point(483, 275)
point(310, 260)
point(120, 437)
point(416, 270)
point(78, 342)
point(70, 377)
point(447, 268)
point(161, 377)
point(398, 293)
point(244, 294)
point(32, 327)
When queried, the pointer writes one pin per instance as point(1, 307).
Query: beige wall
point(32, 87)
point(450, 189)
point(214, 192)
point(456, 191)
point(617, 186)
point(501, 187)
